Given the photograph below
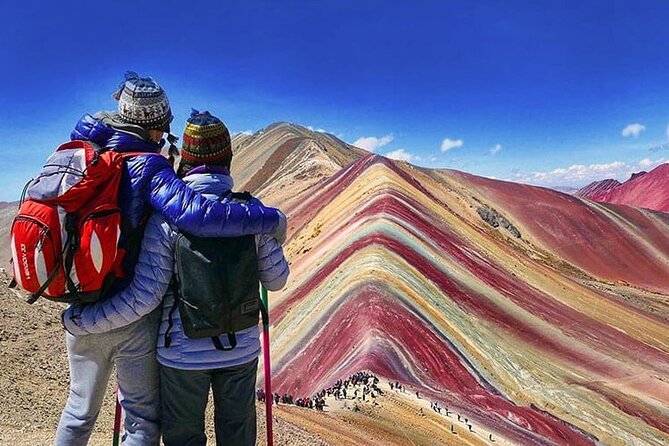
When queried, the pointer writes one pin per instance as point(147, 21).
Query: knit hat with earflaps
point(206, 140)
point(141, 101)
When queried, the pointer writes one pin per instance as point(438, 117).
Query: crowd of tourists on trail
point(357, 387)
point(364, 384)
point(360, 385)
point(316, 402)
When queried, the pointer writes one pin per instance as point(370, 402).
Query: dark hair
point(183, 168)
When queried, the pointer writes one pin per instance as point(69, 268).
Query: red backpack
point(65, 237)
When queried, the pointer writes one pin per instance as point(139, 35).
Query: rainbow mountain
point(541, 316)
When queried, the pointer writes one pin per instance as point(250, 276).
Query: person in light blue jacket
point(189, 367)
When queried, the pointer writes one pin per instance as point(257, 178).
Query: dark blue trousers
point(184, 395)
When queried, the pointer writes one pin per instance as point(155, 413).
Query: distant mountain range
point(648, 190)
point(565, 189)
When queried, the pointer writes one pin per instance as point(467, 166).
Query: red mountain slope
point(650, 190)
point(597, 188)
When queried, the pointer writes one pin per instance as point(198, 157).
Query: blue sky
point(530, 91)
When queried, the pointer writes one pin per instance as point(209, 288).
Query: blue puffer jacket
point(150, 183)
point(153, 275)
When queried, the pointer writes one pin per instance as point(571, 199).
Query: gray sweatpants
point(133, 350)
point(184, 395)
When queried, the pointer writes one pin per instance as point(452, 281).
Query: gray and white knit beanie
point(141, 101)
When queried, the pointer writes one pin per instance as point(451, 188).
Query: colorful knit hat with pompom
point(206, 140)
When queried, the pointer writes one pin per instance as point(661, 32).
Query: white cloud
point(372, 143)
point(245, 132)
point(633, 130)
point(668, 132)
point(317, 130)
point(495, 150)
point(579, 175)
point(402, 155)
point(647, 162)
point(448, 144)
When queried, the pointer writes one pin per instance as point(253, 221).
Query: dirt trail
point(400, 418)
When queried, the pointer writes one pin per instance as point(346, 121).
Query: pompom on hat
point(141, 101)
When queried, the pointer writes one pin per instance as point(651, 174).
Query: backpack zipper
point(43, 233)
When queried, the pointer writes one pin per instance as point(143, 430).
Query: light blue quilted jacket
point(150, 287)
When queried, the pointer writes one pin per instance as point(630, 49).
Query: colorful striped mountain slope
point(540, 315)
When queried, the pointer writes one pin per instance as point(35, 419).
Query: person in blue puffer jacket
point(189, 367)
point(149, 184)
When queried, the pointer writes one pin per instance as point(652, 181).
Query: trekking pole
point(266, 363)
point(117, 421)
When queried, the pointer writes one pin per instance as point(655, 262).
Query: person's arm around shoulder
point(193, 213)
point(153, 275)
point(272, 265)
